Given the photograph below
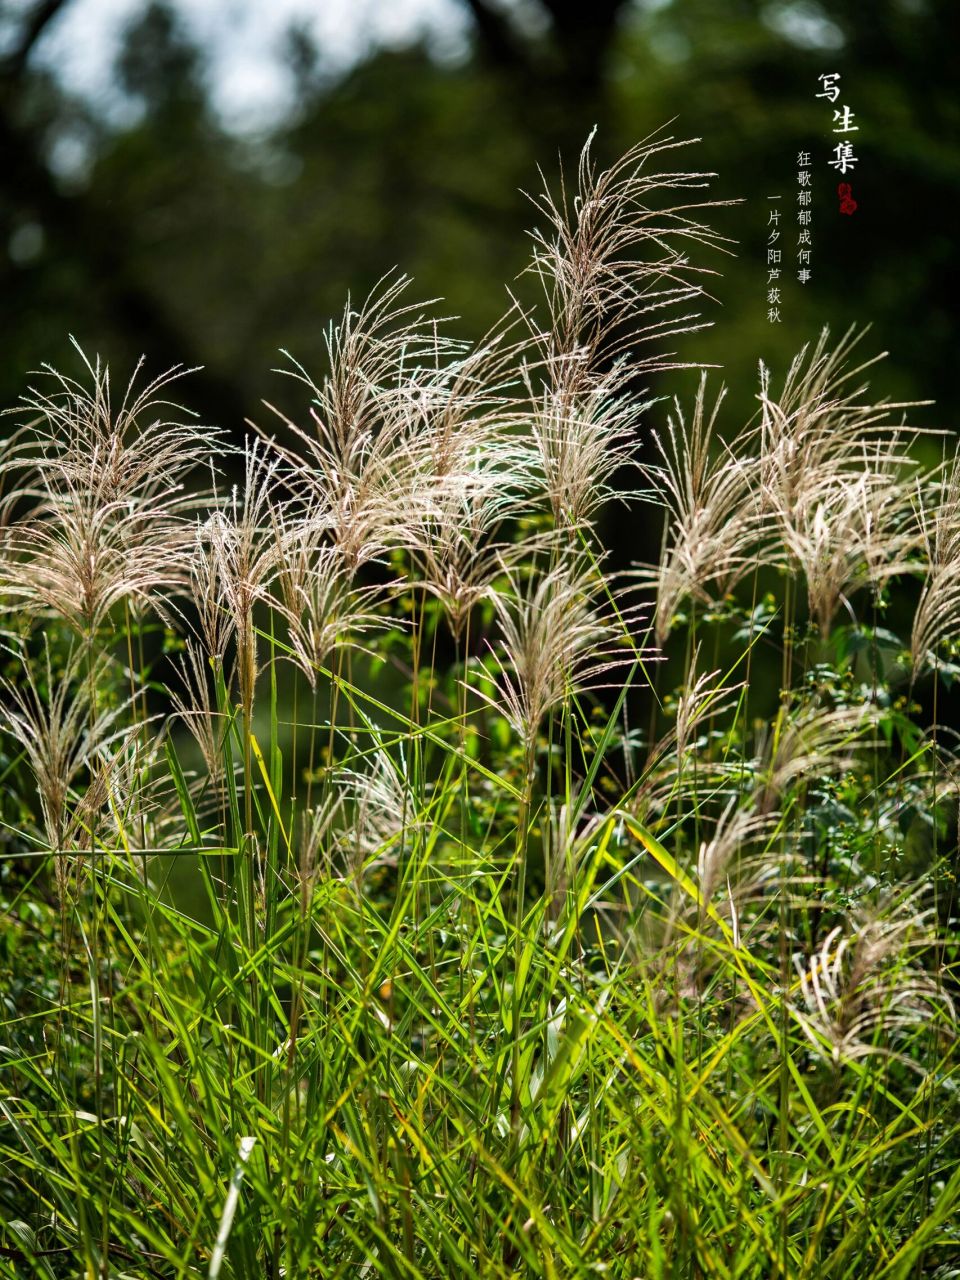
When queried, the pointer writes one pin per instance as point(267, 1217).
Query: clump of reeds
point(441, 905)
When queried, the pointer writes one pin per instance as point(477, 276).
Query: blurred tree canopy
point(169, 234)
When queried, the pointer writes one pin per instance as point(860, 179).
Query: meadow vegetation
point(393, 887)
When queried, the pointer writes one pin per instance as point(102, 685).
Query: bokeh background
point(203, 181)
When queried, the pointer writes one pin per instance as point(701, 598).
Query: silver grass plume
point(713, 533)
point(365, 461)
point(458, 543)
point(674, 767)
point(558, 636)
point(607, 261)
point(937, 616)
point(380, 810)
point(107, 517)
point(738, 844)
point(835, 476)
point(608, 257)
point(62, 734)
point(234, 564)
point(806, 743)
point(583, 436)
point(865, 978)
point(314, 591)
point(318, 839)
point(196, 707)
